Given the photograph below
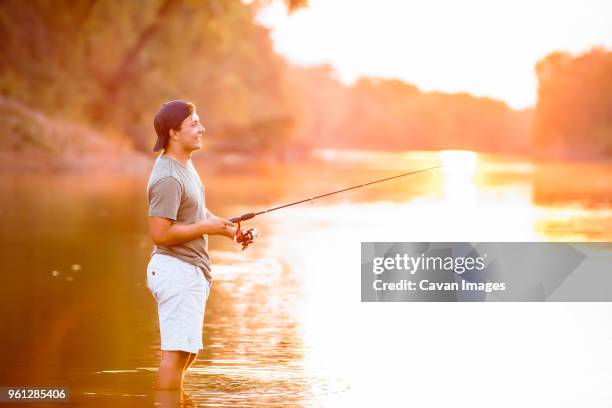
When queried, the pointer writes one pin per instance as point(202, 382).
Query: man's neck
point(181, 157)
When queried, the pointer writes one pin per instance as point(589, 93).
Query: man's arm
point(164, 202)
point(166, 232)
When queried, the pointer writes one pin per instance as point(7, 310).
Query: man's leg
point(190, 359)
point(170, 373)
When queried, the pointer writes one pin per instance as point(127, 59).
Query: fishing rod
point(245, 238)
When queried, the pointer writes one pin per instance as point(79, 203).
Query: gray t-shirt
point(176, 192)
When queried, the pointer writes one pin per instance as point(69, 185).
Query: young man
point(178, 274)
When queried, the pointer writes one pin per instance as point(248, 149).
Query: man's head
point(177, 124)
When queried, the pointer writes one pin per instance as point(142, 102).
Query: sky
point(484, 47)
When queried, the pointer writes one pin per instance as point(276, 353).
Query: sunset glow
point(477, 46)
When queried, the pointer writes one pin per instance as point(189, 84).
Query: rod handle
point(243, 217)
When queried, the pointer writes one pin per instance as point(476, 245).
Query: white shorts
point(181, 291)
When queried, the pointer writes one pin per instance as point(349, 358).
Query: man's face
point(191, 133)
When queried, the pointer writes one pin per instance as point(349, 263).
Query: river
point(284, 324)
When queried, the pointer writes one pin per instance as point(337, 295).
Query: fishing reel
point(246, 236)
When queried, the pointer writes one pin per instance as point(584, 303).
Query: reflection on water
point(459, 177)
point(284, 324)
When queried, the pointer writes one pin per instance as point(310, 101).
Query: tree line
point(111, 64)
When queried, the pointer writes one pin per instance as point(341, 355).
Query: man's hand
point(218, 226)
point(229, 229)
point(231, 232)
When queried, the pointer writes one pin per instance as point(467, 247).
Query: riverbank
point(35, 142)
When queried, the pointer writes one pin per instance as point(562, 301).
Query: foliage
point(113, 63)
point(388, 114)
point(573, 117)
point(110, 64)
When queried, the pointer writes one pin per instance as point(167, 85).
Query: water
point(284, 324)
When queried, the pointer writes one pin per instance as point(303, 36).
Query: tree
point(573, 116)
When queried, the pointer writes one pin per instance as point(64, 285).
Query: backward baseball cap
point(169, 116)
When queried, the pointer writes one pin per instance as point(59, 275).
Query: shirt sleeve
point(165, 198)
